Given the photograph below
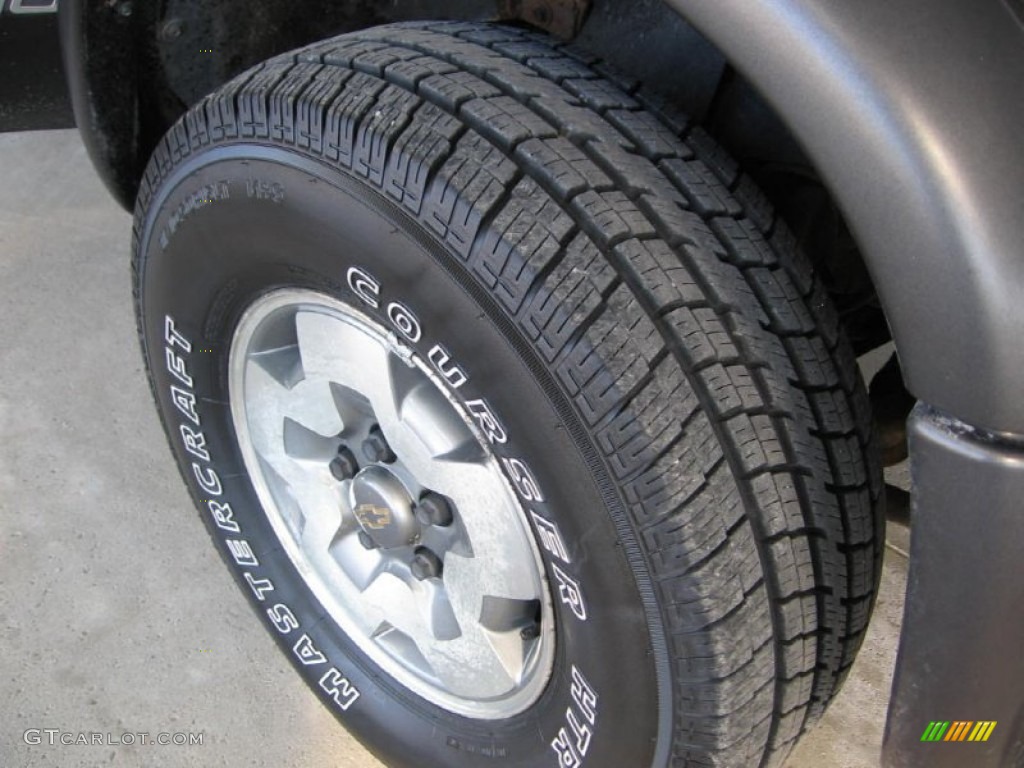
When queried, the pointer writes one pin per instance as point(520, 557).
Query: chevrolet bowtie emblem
point(373, 517)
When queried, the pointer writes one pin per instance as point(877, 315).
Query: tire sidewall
point(234, 223)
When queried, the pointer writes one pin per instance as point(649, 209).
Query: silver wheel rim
point(458, 612)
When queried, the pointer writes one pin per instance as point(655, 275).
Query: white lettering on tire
point(208, 479)
point(259, 586)
point(241, 550)
point(176, 366)
point(405, 321)
point(185, 402)
point(223, 516)
point(449, 370)
point(484, 416)
point(574, 739)
point(174, 338)
point(523, 480)
point(335, 685)
point(308, 653)
point(570, 593)
point(282, 618)
point(365, 286)
point(194, 441)
point(550, 537)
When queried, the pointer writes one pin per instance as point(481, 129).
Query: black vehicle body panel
point(911, 113)
point(964, 597)
point(33, 94)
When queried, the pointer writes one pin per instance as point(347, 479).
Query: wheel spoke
point(362, 567)
point(353, 408)
point(304, 444)
point(267, 400)
point(311, 404)
point(322, 510)
point(470, 580)
point(311, 487)
point(468, 666)
point(505, 621)
point(478, 486)
point(335, 351)
point(270, 405)
point(429, 415)
point(511, 651)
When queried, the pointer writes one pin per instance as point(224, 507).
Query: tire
point(668, 394)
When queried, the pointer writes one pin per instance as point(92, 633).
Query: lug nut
point(434, 509)
point(366, 540)
point(425, 564)
point(344, 466)
point(376, 448)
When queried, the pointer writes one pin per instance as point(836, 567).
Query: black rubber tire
point(669, 365)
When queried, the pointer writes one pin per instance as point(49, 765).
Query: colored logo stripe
point(982, 730)
point(958, 730)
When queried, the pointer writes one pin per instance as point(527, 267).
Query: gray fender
point(913, 111)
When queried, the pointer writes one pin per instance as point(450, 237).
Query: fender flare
point(912, 113)
point(98, 45)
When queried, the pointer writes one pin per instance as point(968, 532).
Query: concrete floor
point(115, 612)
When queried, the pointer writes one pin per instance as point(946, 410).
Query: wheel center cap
point(383, 507)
